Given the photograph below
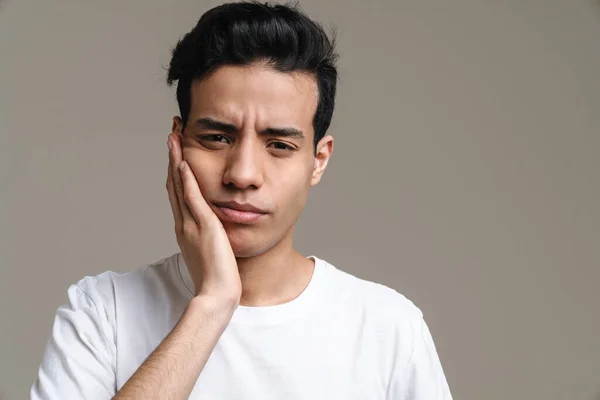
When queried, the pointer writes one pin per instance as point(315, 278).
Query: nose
point(244, 168)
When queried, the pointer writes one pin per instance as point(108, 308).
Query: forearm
point(171, 371)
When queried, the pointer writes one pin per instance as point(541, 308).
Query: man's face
point(249, 140)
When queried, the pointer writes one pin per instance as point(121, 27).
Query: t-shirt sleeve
point(77, 361)
point(422, 377)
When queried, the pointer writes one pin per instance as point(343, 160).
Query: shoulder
point(104, 293)
point(376, 300)
point(391, 323)
point(106, 286)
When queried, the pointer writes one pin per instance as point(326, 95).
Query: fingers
point(198, 206)
point(177, 216)
point(175, 158)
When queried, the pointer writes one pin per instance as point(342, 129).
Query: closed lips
point(240, 207)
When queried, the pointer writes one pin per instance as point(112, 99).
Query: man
point(238, 313)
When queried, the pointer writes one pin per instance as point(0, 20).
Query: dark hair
point(246, 32)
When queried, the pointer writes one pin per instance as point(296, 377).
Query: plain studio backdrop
point(465, 173)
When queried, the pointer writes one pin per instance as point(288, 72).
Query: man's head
point(256, 89)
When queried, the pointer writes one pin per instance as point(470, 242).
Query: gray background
point(465, 173)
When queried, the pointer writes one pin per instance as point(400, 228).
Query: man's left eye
point(281, 146)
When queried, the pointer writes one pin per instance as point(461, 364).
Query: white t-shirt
point(341, 338)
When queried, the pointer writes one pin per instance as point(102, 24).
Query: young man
point(238, 313)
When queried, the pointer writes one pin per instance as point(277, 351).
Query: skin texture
point(245, 158)
point(250, 166)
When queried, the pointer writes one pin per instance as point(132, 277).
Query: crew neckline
point(267, 315)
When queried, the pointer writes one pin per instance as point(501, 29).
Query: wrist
point(212, 307)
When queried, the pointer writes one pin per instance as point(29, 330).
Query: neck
point(276, 276)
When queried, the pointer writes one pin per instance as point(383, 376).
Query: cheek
point(205, 170)
point(294, 191)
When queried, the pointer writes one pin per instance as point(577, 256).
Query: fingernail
point(170, 143)
point(181, 166)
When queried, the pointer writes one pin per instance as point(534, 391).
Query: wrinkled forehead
point(257, 95)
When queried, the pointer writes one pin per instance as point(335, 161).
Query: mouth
point(238, 212)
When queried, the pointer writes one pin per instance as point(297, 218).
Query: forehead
point(256, 94)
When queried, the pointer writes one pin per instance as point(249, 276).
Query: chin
point(247, 250)
point(246, 244)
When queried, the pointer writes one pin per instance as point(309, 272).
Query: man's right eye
point(214, 138)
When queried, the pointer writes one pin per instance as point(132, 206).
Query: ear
point(177, 125)
point(324, 152)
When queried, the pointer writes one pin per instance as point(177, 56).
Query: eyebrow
point(210, 123)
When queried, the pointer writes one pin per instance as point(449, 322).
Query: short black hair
point(242, 33)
